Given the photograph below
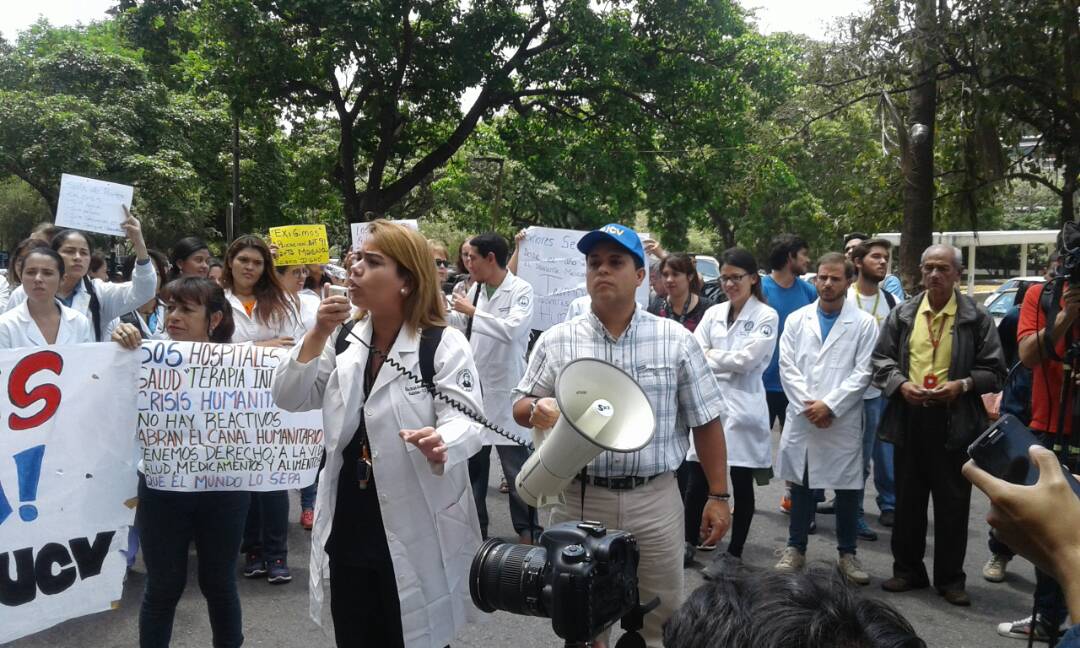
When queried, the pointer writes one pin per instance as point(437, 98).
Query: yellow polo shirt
point(923, 360)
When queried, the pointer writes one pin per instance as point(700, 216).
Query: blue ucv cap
point(620, 234)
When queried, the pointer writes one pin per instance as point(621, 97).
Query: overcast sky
point(810, 18)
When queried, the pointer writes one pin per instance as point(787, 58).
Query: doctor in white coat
point(40, 320)
point(496, 314)
point(738, 337)
point(394, 511)
point(825, 353)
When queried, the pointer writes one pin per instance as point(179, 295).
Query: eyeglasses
point(733, 279)
point(442, 263)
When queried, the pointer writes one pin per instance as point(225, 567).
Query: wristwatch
point(968, 383)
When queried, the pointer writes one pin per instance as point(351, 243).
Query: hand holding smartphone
point(1002, 451)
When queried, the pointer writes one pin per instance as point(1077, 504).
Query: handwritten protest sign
point(92, 205)
point(552, 264)
point(67, 482)
point(297, 244)
point(361, 231)
point(207, 421)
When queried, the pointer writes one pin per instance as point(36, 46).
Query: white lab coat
point(5, 292)
point(18, 329)
point(115, 298)
point(309, 308)
point(838, 373)
point(147, 333)
point(738, 357)
point(250, 329)
point(500, 338)
point(431, 525)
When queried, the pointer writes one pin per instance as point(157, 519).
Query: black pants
point(695, 489)
point(365, 607)
point(266, 532)
point(925, 469)
point(167, 524)
point(777, 402)
point(512, 458)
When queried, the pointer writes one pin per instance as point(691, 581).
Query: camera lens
point(509, 577)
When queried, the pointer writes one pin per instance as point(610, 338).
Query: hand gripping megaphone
point(602, 408)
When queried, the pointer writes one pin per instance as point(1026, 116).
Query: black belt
point(619, 483)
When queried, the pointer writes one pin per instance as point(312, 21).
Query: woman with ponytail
point(99, 301)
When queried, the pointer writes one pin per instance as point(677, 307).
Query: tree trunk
point(1069, 187)
point(1071, 59)
point(917, 157)
point(727, 231)
point(354, 209)
point(230, 219)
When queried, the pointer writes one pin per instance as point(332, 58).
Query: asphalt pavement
point(276, 616)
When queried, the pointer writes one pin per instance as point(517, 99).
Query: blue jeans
point(308, 495)
point(803, 506)
point(266, 533)
point(512, 458)
point(882, 454)
point(168, 523)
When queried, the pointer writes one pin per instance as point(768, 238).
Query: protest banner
point(207, 421)
point(361, 231)
point(299, 244)
point(551, 263)
point(67, 482)
point(92, 205)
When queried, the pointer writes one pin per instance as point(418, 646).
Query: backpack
point(429, 343)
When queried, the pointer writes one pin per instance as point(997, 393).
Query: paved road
point(276, 616)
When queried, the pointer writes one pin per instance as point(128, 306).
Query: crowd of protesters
point(859, 379)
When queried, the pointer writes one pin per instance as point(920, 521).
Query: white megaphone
point(602, 408)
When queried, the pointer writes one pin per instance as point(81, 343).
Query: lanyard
point(686, 309)
point(935, 342)
point(872, 311)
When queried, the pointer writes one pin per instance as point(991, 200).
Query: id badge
point(929, 381)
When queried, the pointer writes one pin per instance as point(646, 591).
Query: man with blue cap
point(636, 491)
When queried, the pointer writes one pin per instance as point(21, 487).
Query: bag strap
point(429, 343)
point(342, 341)
point(890, 299)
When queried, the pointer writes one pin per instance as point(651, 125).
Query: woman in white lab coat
point(40, 320)
point(149, 318)
point(101, 302)
point(394, 512)
point(264, 314)
point(738, 337)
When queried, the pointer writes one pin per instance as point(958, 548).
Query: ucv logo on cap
point(611, 229)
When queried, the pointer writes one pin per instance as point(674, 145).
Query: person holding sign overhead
point(168, 522)
point(40, 320)
point(265, 314)
point(394, 512)
point(99, 301)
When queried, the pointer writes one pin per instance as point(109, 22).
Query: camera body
point(581, 576)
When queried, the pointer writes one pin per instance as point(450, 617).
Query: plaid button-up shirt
point(661, 356)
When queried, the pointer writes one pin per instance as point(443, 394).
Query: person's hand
point(520, 236)
point(277, 343)
point(127, 336)
point(1038, 522)
point(818, 413)
point(653, 248)
point(715, 521)
point(428, 441)
point(462, 305)
point(1071, 298)
point(914, 394)
point(948, 392)
point(332, 313)
point(133, 229)
point(545, 415)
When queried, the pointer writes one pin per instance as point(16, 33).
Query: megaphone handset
point(452, 402)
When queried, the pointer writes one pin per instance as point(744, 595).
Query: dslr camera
point(581, 575)
point(1069, 246)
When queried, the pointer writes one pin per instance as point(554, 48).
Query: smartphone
point(1002, 451)
point(337, 291)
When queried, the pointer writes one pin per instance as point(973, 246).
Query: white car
point(1001, 301)
point(1011, 285)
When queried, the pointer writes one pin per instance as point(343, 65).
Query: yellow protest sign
point(298, 244)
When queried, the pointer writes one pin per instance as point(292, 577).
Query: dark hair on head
point(775, 610)
point(743, 260)
point(860, 251)
point(199, 291)
point(837, 258)
point(1021, 290)
point(683, 264)
point(273, 304)
point(18, 253)
point(311, 283)
point(492, 243)
point(46, 251)
point(783, 247)
point(862, 236)
point(97, 260)
point(63, 235)
point(215, 263)
point(184, 248)
point(58, 241)
point(45, 231)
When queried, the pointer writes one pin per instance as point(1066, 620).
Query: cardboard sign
point(300, 244)
point(552, 264)
point(207, 421)
point(361, 231)
point(92, 205)
point(67, 482)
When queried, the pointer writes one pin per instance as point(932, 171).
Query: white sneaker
point(791, 560)
point(852, 569)
point(994, 569)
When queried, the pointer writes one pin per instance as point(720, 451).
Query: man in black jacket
point(936, 355)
